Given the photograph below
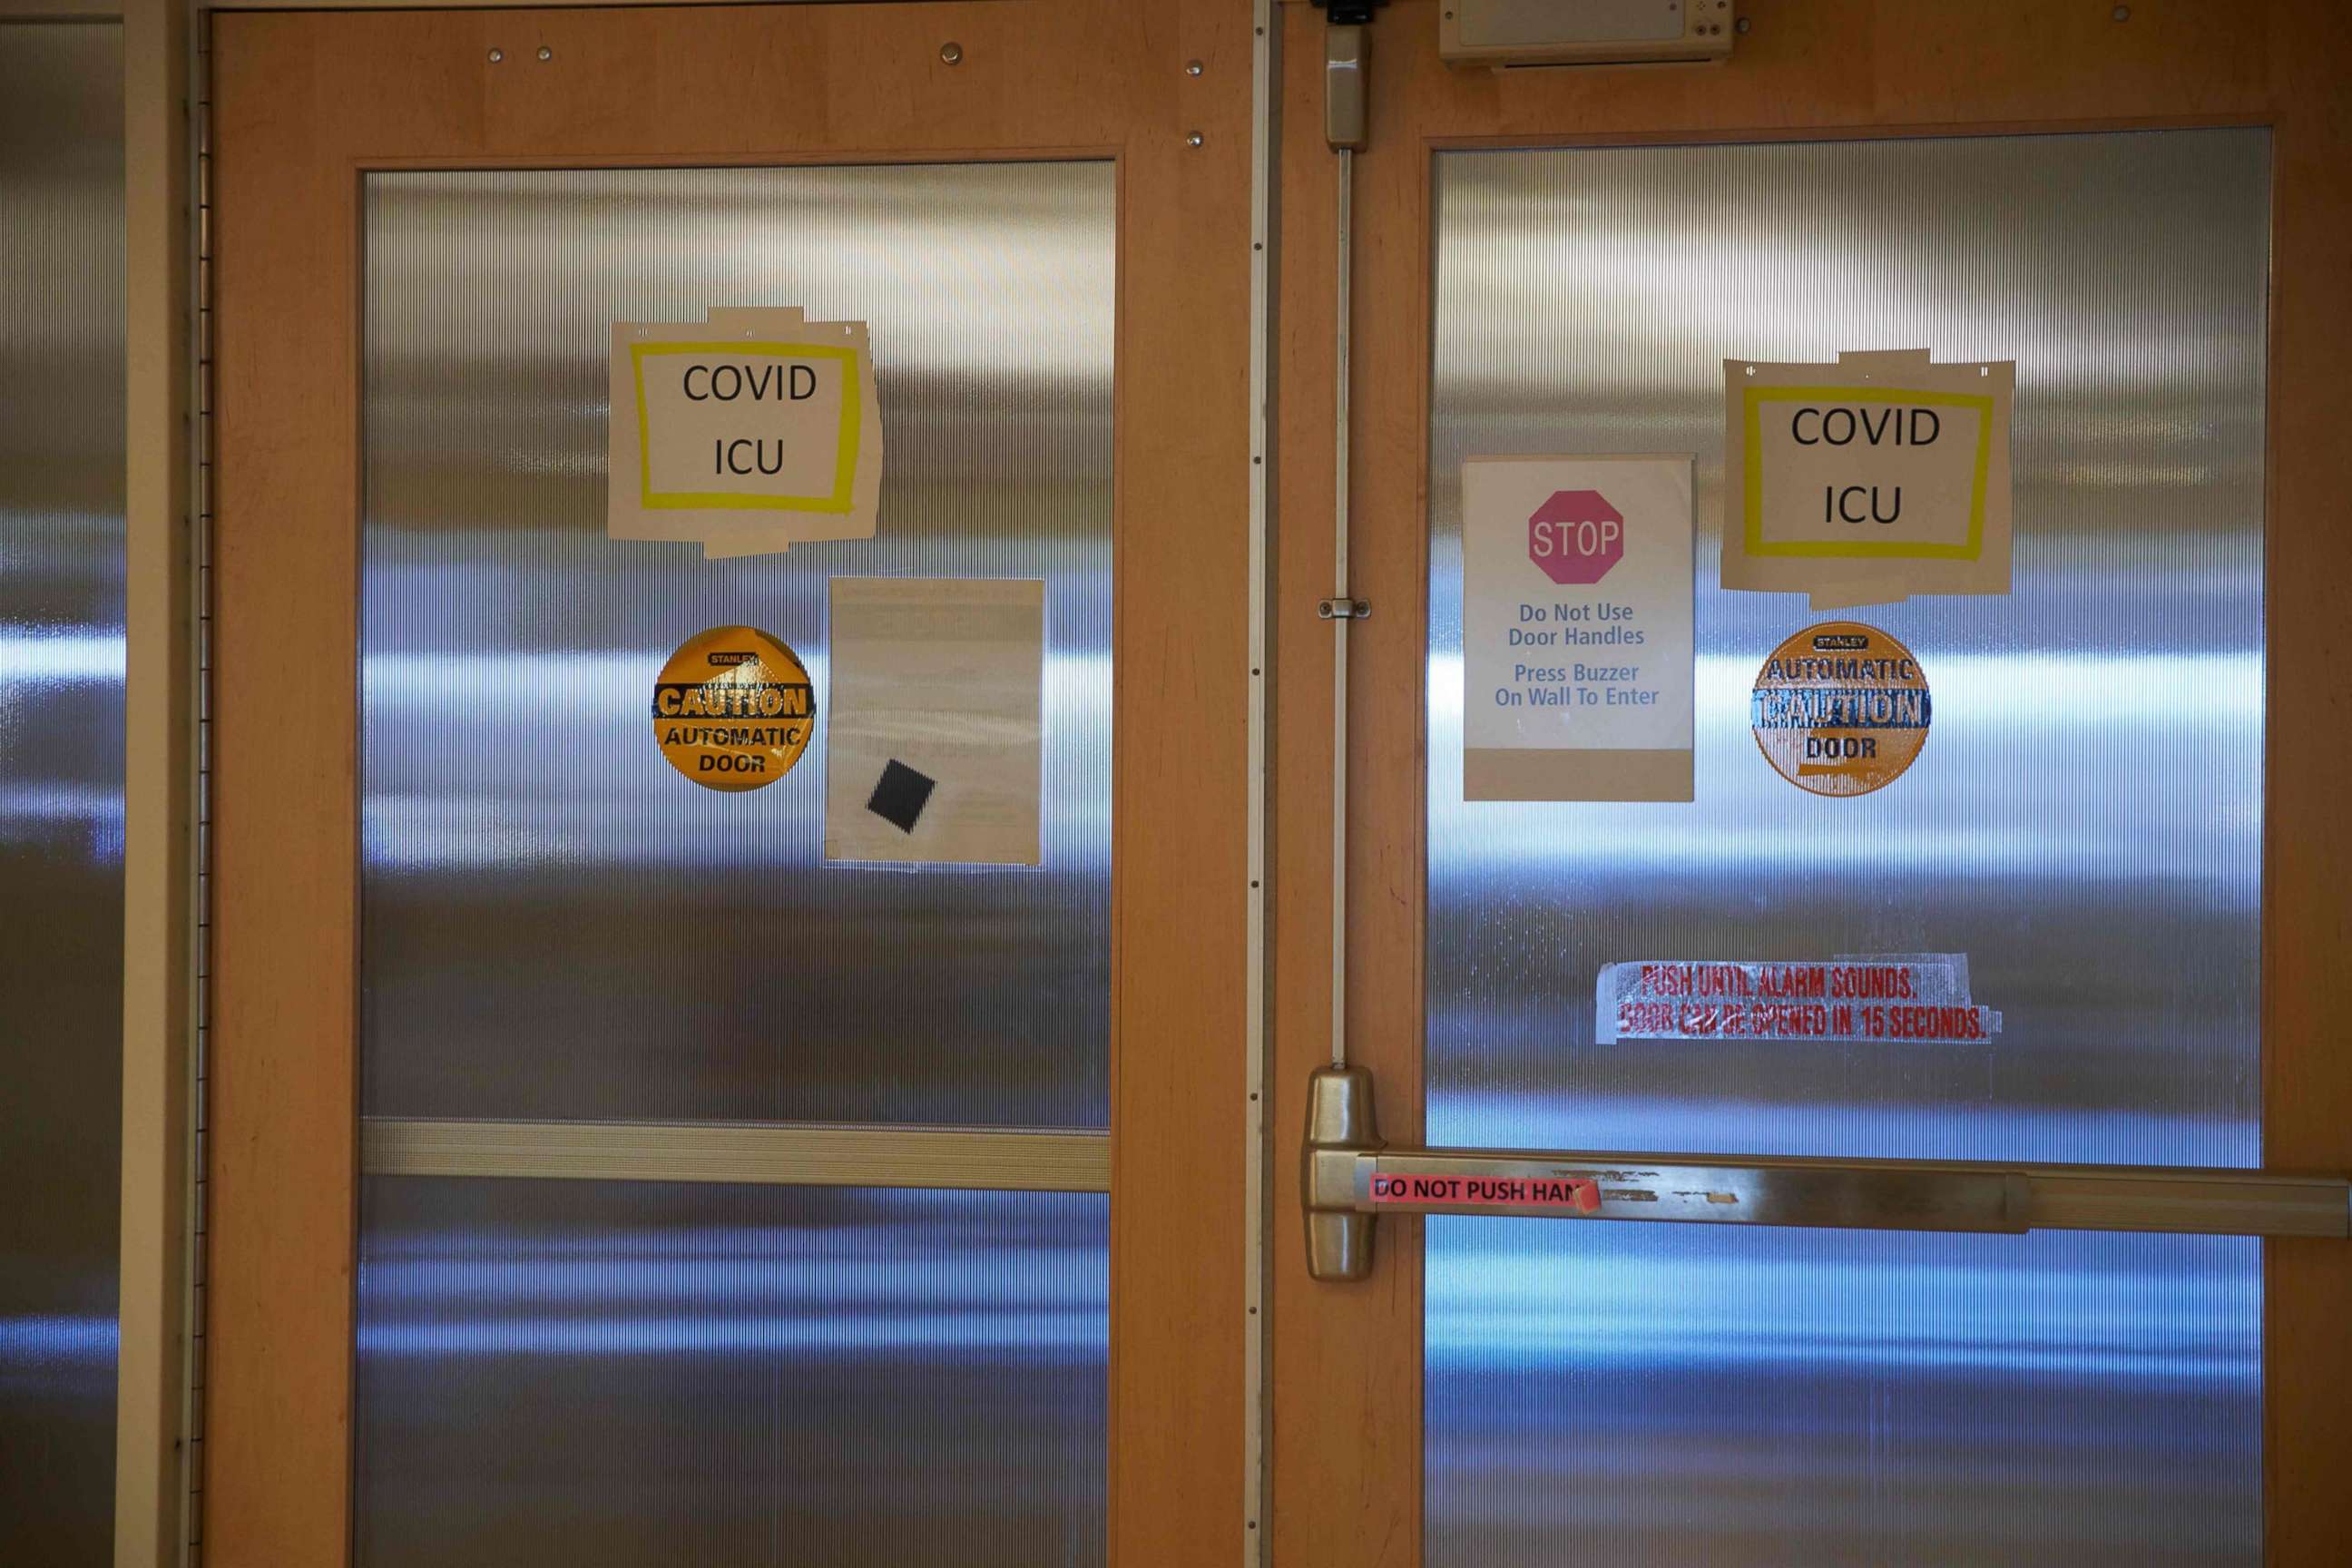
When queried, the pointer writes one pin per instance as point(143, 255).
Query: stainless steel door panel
point(593, 1374)
point(61, 811)
point(554, 923)
point(2085, 825)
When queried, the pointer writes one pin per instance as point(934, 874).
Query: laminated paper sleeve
point(944, 676)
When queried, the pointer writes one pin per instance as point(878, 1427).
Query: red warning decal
point(1576, 1194)
point(1920, 997)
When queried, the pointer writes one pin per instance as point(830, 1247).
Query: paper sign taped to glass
point(1869, 480)
point(1576, 628)
point(746, 433)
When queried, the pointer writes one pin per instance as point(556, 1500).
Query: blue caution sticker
point(1841, 708)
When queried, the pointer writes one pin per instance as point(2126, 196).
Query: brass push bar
point(1350, 1178)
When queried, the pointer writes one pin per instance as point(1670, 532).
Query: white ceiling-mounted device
point(1583, 32)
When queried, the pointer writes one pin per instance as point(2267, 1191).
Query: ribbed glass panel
point(61, 711)
point(554, 923)
point(1705, 1396)
point(586, 1374)
point(2084, 824)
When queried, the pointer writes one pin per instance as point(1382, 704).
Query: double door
point(604, 1169)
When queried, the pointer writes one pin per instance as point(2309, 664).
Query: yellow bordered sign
point(1864, 547)
point(749, 433)
point(1867, 480)
point(773, 363)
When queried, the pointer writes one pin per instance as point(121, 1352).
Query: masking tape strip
point(759, 1154)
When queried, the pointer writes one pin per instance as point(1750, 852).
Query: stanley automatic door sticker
point(1840, 708)
point(733, 709)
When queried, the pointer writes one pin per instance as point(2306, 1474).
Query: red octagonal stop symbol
point(1576, 537)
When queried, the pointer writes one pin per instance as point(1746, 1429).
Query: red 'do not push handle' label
point(1574, 1194)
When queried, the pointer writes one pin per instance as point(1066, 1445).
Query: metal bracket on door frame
point(1349, 1177)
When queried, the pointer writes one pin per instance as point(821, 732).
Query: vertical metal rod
point(202, 485)
point(1256, 1293)
point(1339, 623)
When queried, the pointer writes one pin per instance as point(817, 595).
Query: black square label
point(900, 796)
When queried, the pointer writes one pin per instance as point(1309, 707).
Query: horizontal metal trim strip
point(2195, 1202)
point(494, 5)
point(1897, 1195)
point(761, 1153)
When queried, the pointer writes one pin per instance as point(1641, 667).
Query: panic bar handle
point(1349, 1178)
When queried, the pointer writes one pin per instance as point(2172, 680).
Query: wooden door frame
point(304, 103)
point(1347, 1358)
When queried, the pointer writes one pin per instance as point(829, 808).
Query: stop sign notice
point(1576, 537)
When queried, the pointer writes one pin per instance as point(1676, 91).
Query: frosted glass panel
point(2084, 824)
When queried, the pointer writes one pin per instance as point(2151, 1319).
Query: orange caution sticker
point(1841, 708)
point(733, 709)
